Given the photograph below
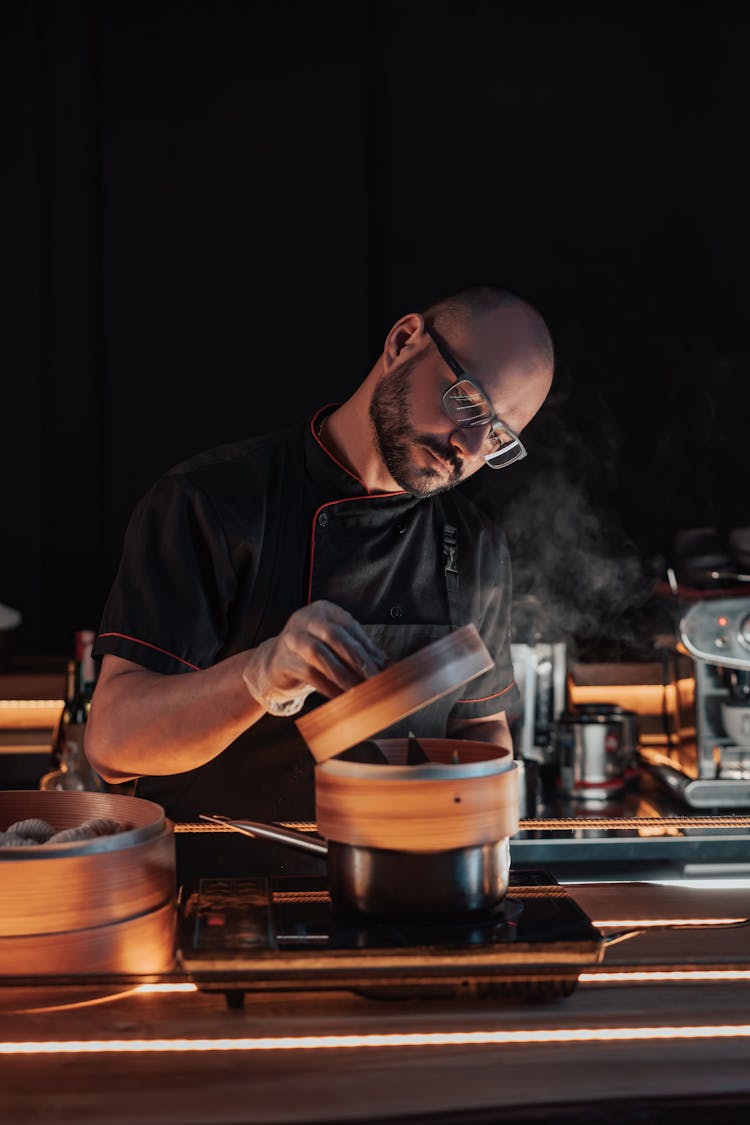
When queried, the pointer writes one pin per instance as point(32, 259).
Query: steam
point(574, 565)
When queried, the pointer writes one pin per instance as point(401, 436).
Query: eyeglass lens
point(467, 405)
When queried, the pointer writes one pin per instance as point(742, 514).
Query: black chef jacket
point(228, 544)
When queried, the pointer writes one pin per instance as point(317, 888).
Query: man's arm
point(145, 722)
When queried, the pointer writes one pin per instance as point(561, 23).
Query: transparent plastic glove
point(321, 648)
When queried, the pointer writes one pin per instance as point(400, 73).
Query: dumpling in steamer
point(89, 830)
point(36, 829)
point(10, 839)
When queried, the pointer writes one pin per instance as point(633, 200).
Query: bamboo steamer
point(143, 944)
point(466, 795)
point(68, 897)
point(391, 695)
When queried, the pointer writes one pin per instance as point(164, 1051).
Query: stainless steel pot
point(613, 712)
point(591, 759)
point(408, 885)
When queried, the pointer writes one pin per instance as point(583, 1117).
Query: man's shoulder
point(238, 456)
point(252, 461)
point(232, 485)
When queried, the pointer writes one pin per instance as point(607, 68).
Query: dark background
point(212, 212)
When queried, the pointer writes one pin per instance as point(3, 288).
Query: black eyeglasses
point(468, 406)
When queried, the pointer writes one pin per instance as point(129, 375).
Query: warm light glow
point(166, 988)
point(30, 704)
point(668, 825)
point(711, 882)
point(415, 1039)
point(30, 714)
point(657, 758)
point(70, 1005)
point(707, 976)
point(644, 699)
point(654, 923)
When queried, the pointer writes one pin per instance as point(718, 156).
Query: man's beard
point(397, 439)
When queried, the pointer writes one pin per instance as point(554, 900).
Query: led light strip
point(655, 923)
point(32, 704)
point(415, 1039)
point(569, 824)
point(301, 896)
point(708, 976)
point(166, 988)
point(666, 823)
point(604, 977)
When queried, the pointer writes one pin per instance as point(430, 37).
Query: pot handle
point(304, 841)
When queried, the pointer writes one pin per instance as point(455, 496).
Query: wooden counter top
point(264, 1080)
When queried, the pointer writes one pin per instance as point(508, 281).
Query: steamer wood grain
point(393, 694)
point(91, 905)
point(405, 809)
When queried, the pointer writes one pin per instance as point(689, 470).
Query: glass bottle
point(77, 773)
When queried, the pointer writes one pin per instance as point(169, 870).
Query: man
point(258, 573)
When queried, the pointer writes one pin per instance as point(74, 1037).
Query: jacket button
point(396, 611)
point(323, 519)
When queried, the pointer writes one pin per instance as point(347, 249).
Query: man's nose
point(469, 442)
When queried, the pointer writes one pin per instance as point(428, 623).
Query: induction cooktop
point(242, 935)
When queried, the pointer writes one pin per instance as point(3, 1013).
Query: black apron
point(268, 772)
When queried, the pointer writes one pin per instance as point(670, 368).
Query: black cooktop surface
point(242, 934)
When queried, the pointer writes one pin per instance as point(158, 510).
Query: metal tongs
point(305, 841)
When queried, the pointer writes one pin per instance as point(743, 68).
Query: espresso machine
point(714, 772)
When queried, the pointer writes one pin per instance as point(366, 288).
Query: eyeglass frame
point(494, 421)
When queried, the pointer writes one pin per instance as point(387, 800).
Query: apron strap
point(450, 570)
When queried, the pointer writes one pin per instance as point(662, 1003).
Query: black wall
point(211, 212)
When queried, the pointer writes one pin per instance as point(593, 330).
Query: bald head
point(504, 342)
point(488, 310)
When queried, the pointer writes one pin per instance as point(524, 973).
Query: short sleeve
point(491, 595)
point(167, 609)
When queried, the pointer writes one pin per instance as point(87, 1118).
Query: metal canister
point(591, 759)
point(629, 720)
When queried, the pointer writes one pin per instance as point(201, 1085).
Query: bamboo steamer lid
point(437, 806)
point(396, 692)
point(57, 888)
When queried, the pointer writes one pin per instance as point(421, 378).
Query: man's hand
point(321, 648)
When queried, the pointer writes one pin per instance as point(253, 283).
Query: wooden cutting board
point(398, 691)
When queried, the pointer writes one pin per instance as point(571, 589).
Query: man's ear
point(406, 333)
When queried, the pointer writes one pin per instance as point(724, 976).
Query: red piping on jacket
point(327, 452)
point(484, 698)
point(369, 496)
point(156, 648)
point(343, 500)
